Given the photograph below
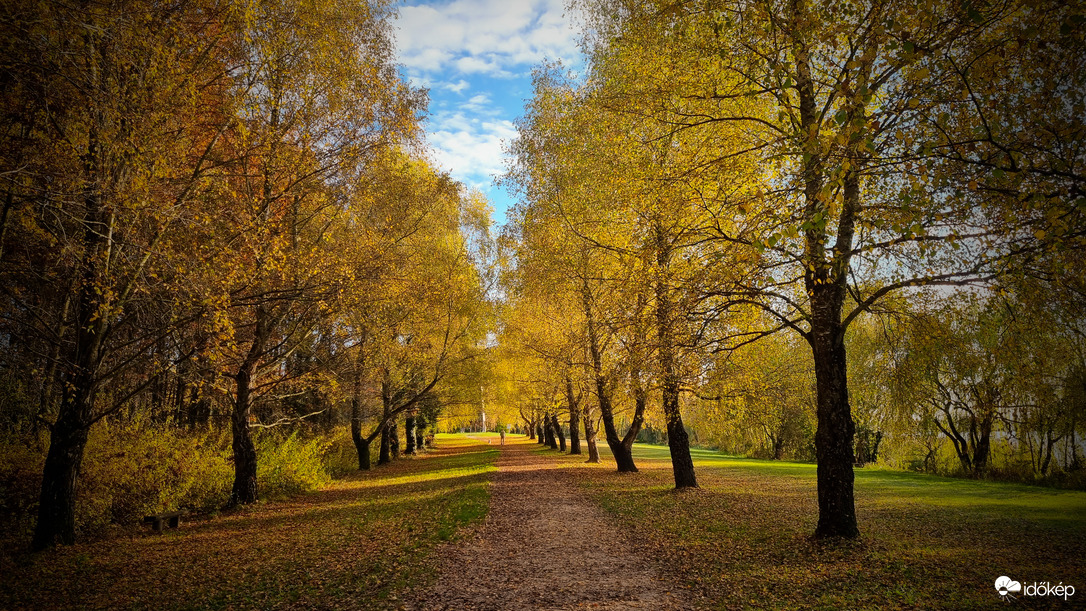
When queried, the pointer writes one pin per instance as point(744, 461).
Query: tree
point(847, 111)
point(318, 101)
point(114, 112)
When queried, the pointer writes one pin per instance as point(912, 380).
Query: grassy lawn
point(347, 546)
point(927, 542)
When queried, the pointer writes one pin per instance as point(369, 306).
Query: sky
point(476, 59)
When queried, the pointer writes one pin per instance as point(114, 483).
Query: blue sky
point(476, 58)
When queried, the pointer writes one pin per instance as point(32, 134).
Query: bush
point(21, 463)
point(289, 464)
point(341, 457)
point(132, 469)
point(138, 467)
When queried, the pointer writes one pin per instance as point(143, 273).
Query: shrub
point(21, 463)
point(136, 468)
point(341, 457)
point(290, 464)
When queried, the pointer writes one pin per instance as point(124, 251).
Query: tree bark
point(590, 439)
point(420, 428)
point(244, 490)
point(557, 426)
point(574, 418)
point(409, 434)
point(548, 433)
point(245, 461)
point(79, 388)
point(621, 452)
point(361, 444)
point(682, 465)
point(394, 438)
point(540, 434)
point(56, 510)
point(824, 281)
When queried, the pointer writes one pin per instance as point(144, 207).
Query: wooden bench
point(169, 519)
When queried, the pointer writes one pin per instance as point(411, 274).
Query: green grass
point(351, 545)
point(742, 539)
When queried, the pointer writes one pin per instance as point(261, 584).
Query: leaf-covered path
point(544, 545)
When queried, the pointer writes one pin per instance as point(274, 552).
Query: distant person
point(503, 436)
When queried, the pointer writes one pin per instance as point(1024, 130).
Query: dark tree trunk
point(574, 418)
point(56, 511)
point(590, 439)
point(244, 490)
point(385, 456)
point(825, 274)
point(361, 444)
point(557, 426)
point(834, 435)
point(420, 428)
point(409, 434)
point(394, 438)
point(79, 384)
point(622, 453)
point(540, 434)
point(678, 443)
point(982, 445)
point(548, 433)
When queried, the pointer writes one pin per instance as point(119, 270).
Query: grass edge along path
point(349, 545)
point(927, 542)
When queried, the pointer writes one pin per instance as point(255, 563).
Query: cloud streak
point(491, 37)
point(475, 57)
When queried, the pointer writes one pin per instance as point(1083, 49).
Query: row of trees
point(219, 208)
point(726, 171)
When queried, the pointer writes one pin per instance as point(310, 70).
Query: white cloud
point(457, 87)
point(491, 37)
point(470, 148)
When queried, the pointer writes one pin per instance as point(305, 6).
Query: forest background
point(843, 232)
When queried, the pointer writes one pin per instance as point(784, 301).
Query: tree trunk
point(825, 274)
point(834, 435)
point(574, 418)
point(244, 490)
point(420, 428)
point(56, 510)
point(385, 456)
point(623, 456)
point(409, 434)
point(557, 426)
point(361, 444)
point(540, 434)
point(394, 438)
point(79, 384)
point(682, 465)
point(590, 439)
point(548, 433)
point(245, 462)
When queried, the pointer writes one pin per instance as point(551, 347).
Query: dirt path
point(544, 546)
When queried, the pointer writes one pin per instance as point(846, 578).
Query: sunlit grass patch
point(349, 545)
point(927, 542)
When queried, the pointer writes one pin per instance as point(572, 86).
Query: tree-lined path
point(544, 545)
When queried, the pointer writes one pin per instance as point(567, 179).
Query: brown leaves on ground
point(347, 546)
point(743, 539)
